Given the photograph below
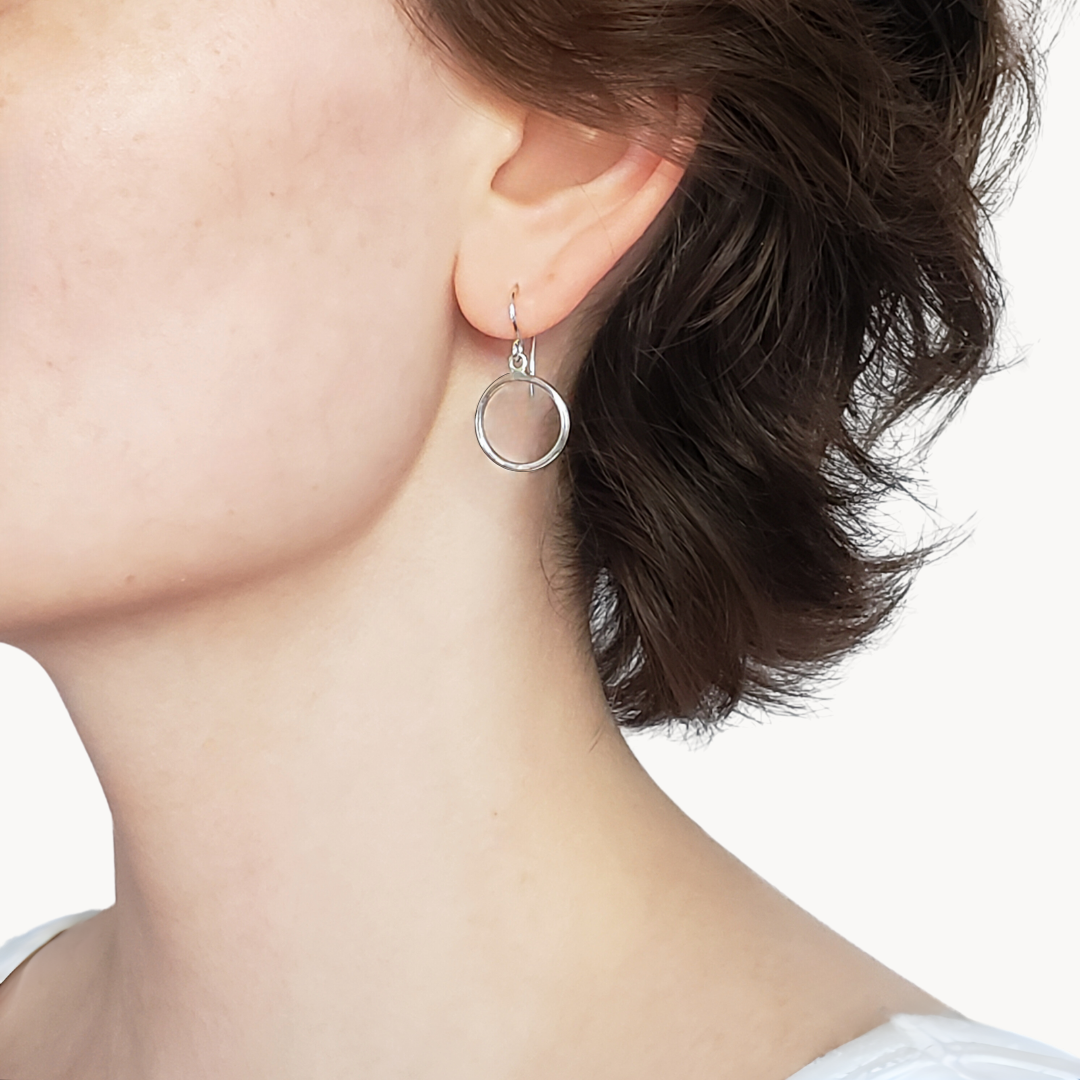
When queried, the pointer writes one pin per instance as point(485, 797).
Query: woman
point(263, 268)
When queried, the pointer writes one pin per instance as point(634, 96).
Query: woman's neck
point(373, 819)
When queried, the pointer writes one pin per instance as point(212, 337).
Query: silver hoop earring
point(522, 369)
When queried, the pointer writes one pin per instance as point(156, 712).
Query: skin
point(372, 816)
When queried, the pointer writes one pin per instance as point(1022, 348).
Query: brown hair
point(822, 275)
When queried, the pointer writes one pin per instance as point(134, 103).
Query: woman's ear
point(557, 215)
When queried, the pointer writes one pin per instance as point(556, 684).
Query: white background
point(929, 810)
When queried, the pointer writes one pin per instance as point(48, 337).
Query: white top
point(940, 1048)
point(905, 1048)
point(18, 949)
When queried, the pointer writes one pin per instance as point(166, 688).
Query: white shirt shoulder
point(941, 1048)
point(21, 948)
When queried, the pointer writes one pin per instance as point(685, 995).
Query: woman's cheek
point(211, 354)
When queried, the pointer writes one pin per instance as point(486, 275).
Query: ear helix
point(522, 370)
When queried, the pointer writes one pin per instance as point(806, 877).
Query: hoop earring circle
point(534, 381)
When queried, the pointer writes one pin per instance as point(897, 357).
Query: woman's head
point(246, 248)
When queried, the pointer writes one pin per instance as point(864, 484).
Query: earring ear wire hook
point(513, 313)
point(518, 349)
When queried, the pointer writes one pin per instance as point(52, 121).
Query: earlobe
point(558, 215)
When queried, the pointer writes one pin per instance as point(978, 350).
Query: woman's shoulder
point(907, 1047)
point(18, 950)
point(940, 1048)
